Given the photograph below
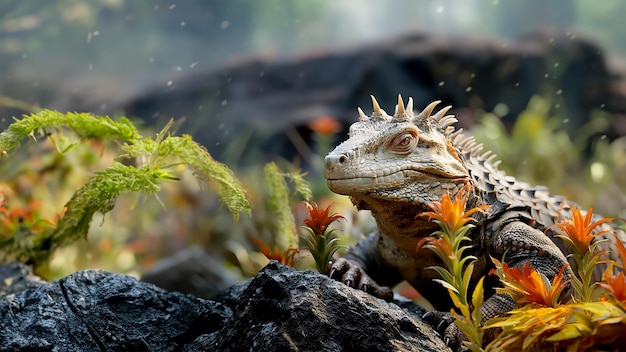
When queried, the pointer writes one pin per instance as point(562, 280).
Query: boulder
point(190, 271)
point(280, 309)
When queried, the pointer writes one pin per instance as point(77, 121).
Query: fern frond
point(83, 124)
point(160, 152)
point(301, 185)
point(97, 195)
point(277, 201)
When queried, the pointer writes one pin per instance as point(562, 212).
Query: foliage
point(582, 166)
point(586, 321)
point(35, 244)
point(526, 285)
point(579, 237)
point(571, 327)
point(277, 203)
point(449, 244)
point(321, 243)
point(543, 321)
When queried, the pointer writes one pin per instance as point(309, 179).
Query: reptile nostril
point(343, 159)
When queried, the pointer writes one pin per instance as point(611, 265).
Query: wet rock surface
point(280, 309)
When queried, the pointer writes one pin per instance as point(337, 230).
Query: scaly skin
point(396, 165)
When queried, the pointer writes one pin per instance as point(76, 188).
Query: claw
point(348, 283)
point(429, 316)
point(441, 327)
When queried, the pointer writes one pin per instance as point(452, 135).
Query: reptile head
point(403, 158)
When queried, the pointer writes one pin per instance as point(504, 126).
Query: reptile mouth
point(388, 180)
point(401, 175)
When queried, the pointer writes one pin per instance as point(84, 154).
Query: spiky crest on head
point(426, 121)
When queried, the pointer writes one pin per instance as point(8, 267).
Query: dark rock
point(97, 311)
point(281, 309)
point(286, 310)
point(190, 271)
point(16, 277)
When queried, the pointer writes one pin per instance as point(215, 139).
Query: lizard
point(395, 166)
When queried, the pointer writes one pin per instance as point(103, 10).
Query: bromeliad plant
point(321, 242)
point(450, 244)
point(595, 315)
point(578, 235)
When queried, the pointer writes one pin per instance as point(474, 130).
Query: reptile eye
point(404, 143)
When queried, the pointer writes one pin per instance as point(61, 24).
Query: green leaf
point(448, 286)
point(477, 302)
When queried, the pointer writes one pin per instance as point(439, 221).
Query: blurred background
point(541, 83)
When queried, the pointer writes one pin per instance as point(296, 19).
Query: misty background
point(121, 45)
point(103, 56)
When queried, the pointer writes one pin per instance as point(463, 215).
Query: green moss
point(154, 159)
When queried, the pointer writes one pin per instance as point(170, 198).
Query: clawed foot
point(443, 322)
point(352, 275)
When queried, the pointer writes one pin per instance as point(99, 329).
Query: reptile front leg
point(363, 268)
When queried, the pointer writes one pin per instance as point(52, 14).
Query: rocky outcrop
point(280, 309)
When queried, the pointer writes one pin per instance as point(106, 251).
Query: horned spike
point(400, 107)
point(362, 116)
point(441, 113)
point(456, 136)
point(429, 109)
point(377, 110)
point(491, 159)
point(447, 121)
point(476, 149)
point(467, 143)
point(409, 106)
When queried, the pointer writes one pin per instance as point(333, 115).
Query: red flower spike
point(285, 258)
point(319, 219)
point(325, 125)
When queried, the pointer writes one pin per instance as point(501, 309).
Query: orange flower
point(319, 219)
point(579, 230)
point(532, 285)
point(621, 250)
point(285, 258)
point(325, 125)
point(438, 244)
point(615, 285)
point(451, 214)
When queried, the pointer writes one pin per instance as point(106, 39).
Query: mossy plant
point(154, 161)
